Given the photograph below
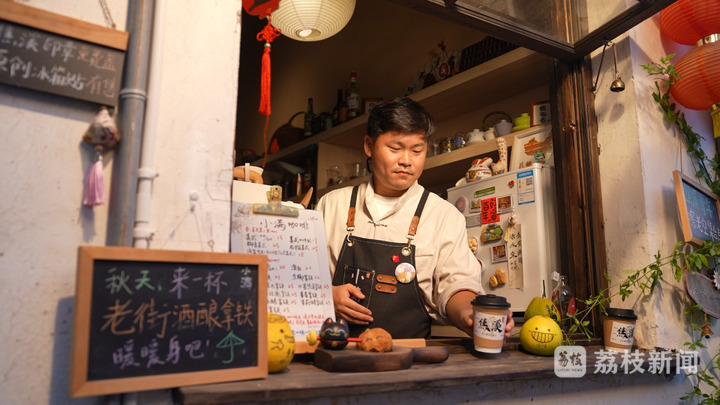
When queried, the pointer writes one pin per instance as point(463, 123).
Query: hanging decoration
point(312, 20)
point(691, 22)
point(102, 133)
point(260, 8)
point(263, 9)
point(303, 20)
point(699, 84)
point(687, 21)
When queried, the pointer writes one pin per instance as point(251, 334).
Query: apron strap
point(351, 210)
point(416, 219)
point(413, 223)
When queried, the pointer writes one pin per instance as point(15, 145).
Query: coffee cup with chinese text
point(490, 318)
point(619, 328)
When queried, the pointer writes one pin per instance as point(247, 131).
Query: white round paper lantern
point(312, 20)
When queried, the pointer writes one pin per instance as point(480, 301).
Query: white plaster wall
point(639, 151)
point(196, 133)
point(43, 163)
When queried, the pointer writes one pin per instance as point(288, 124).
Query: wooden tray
point(351, 359)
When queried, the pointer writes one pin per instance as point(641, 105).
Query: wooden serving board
point(351, 359)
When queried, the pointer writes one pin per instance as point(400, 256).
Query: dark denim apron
point(385, 272)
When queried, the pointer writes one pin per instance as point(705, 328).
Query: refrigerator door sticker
point(514, 256)
point(461, 204)
point(491, 233)
point(473, 220)
point(484, 191)
point(489, 213)
point(504, 204)
point(526, 187)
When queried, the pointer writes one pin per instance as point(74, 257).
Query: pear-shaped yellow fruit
point(281, 343)
point(540, 335)
point(542, 306)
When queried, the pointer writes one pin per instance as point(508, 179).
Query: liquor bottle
point(298, 184)
point(340, 109)
point(564, 301)
point(352, 97)
point(309, 117)
point(307, 176)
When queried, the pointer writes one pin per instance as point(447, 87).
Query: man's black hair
point(403, 115)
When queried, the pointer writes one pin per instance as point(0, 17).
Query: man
point(402, 259)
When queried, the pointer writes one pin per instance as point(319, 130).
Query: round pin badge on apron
point(405, 273)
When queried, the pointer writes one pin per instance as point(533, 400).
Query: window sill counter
point(464, 367)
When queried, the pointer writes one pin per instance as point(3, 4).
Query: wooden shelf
point(484, 84)
point(493, 81)
point(450, 167)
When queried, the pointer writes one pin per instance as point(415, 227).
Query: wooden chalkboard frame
point(88, 256)
point(60, 55)
point(62, 25)
point(682, 181)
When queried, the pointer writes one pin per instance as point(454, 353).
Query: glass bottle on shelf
point(307, 176)
point(340, 109)
point(352, 97)
point(309, 117)
point(564, 301)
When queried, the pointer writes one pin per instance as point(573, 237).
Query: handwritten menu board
point(299, 284)
point(148, 319)
point(40, 51)
point(699, 210)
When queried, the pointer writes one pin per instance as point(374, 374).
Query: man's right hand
point(347, 308)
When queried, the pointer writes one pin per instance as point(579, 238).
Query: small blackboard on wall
point(699, 210)
point(55, 54)
point(150, 319)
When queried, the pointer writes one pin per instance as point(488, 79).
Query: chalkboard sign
point(699, 210)
point(299, 284)
point(40, 51)
point(149, 319)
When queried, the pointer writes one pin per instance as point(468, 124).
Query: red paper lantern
point(688, 21)
point(699, 85)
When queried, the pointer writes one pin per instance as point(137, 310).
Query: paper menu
point(299, 282)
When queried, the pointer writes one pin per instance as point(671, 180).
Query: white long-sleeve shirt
point(443, 260)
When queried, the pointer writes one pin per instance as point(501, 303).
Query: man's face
point(397, 161)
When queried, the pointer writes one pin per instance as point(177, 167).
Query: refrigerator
point(512, 229)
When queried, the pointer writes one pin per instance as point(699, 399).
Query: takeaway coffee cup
point(489, 322)
point(619, 327)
